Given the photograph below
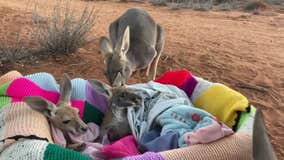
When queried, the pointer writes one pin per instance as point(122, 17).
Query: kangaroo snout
point(112, 135)
point(117, 131)
point(83, 129)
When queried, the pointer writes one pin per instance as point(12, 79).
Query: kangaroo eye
point(66, 121)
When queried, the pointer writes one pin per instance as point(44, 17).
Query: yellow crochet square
point(223, 102)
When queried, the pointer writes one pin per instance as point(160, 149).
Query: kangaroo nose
point(111, 136)
point(84, 129)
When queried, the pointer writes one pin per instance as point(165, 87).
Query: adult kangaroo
point(136, 42)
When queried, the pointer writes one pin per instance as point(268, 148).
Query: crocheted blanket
point(22, 138)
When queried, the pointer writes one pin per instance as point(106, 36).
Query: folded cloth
point(223, 103)
point(153, 141)
point(126, 146)
point(156, 98)
point(194, 125)
point(206, 134)
point(168, 107)
point(219, 100)
point(182, 79)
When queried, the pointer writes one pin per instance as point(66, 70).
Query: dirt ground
point(228, 47)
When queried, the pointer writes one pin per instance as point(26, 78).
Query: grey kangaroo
point(61, 115)
point(262, 148)
point(136, 42)
point(115, 123)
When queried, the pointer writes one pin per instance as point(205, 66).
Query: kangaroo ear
point(65, 89)
point(101, 87)
point(262, 148)
point(41, 105)
point(125, 43)
point(105, 47)
point(118, 81)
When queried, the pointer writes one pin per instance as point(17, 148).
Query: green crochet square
point(92, 114)
point(246, 120)
point(3, 97)
point(56, 152)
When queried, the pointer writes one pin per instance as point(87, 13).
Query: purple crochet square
point(96, 99)
point(189, 85)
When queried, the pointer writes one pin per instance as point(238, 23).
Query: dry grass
point(226, 5)
point(251, 6)
point(63, 31)
point(203, 5)
point(177, 4)
point(223, 5)
point(275, 2)
point(159, 2)
point(11, 53)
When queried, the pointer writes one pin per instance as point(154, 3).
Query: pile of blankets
point(178, 110)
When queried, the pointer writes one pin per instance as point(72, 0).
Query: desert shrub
point(218, 1)
point(13, 51)
point(177, 4)
point(65, 32)
point(255, 5)
point(275, 2)
point(225, 5)
point(202, 5)
point(251, 6)
point(159, 2)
